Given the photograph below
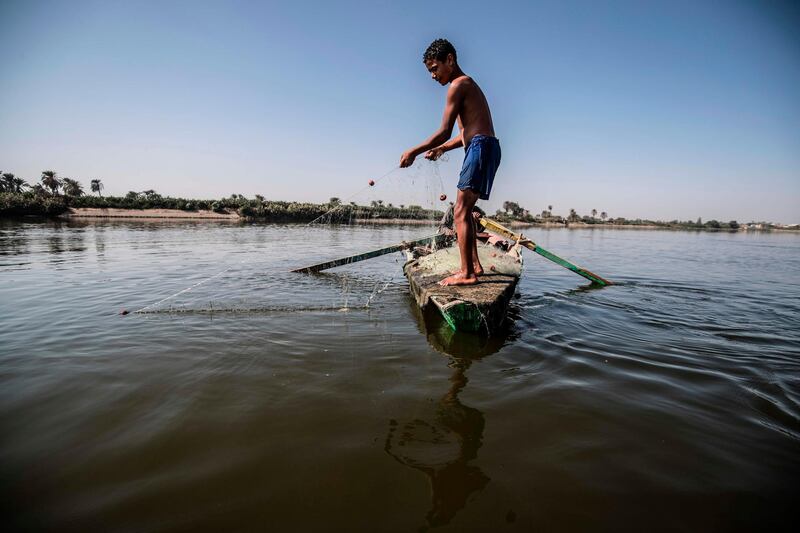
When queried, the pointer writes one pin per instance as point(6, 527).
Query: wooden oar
point(438, 239)
point(498, 228)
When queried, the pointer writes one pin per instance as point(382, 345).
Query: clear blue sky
point(666, 109)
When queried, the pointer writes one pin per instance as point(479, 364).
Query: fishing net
point(402, 204)
point(414, 195)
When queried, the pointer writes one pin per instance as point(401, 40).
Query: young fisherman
point(466, 104)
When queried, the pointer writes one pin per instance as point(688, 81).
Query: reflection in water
point(13, 241)
point(444, 339)
point(442, 449)
point(53, 239)
point(100, 243)
point(443, 445)
point(65, 240)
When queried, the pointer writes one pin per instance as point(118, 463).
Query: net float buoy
point(124, 312)
point(371, 182)
point(443, 197)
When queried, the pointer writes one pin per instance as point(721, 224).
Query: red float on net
point(371, 182)
point(443, 197)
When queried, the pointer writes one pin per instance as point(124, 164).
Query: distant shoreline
point(149, 205)
point(157, 214)
point(178, 214)
point(112, 212)
point(573, 225)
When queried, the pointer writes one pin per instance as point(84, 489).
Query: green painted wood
point(464, 317)
point(449, 319)
point(498, 228)
point(438, 239)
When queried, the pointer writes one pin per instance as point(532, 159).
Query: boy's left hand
point(434, 154)
point(407, 159)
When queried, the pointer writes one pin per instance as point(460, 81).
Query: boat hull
point(471, 308)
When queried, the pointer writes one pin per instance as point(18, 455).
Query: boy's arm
point(453, 143)
point(451, 109)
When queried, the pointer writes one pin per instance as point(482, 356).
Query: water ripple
point(263, 396)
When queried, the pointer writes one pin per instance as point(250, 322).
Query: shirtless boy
point(466, 104)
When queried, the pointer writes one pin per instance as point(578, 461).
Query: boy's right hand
point(434, 154)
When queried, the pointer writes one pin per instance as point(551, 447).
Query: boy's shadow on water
point(443, 445)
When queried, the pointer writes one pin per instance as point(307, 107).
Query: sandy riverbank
point(578, 225)
point(96, 212)
point(177, 214)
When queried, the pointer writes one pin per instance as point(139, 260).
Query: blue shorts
point(480, 165)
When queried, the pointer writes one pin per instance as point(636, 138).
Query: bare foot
point(478, 269)
point(459, 279)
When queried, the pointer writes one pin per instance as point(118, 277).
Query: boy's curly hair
point(438, 50)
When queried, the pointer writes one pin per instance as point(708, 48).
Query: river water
point(270, 401)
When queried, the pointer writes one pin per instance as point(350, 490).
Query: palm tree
point(573, 215)
point(594, 213)
point(97, 186)
point(50, 181)
point(72, 187)
point(6, 181)
point(260, 198)
point(334, 201)
point(513, 208)
point(17, 185)
point(604, 215)
point(37, 189)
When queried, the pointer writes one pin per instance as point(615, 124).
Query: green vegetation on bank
point(55, 195)
point(513, 212)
